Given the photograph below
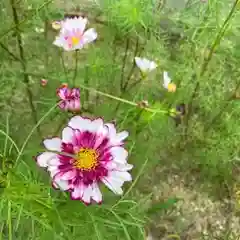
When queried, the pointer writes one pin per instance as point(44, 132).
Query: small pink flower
point(72, 34)
point(89, 152)
point(44, 82)
point(69, 98)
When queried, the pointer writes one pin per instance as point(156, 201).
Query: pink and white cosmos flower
point(89, 152)
point(72, 34)
point(70, 98)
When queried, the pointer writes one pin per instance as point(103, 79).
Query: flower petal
point(78, 191)
point(44, 158)
point(166, 80)
point(96, 125)
point(87, 193)
point(58, 42)
point(67, 135)
point(123, 167)
point(113, 185)
point(53, 144)
point(115, 138)
point(71, 174)
point(82, 124)
point(78, 23)
point(152, 66)
point(140, 63)
point(63, 185)
point(124, 176)
point(145, 65)
point(53, 170)
point(66, 175)
point(119, 154)
point(89, 36)
point(96, 193)
point(54, 162)
point(121, 136)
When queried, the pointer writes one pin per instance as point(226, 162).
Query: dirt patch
point(196, 216)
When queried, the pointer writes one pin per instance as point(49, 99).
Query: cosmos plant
point(72, 34)
point(88, 153)
point(145, 65)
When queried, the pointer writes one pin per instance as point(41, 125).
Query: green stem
point(76, 68)
point(9, 52)
point(63, 63)
point(46, 47)
point(14, 27)
point(133, 67)
point(73, 83)
point(24, 66)
point(124, 64)
point(107, 95)
point(86, 83)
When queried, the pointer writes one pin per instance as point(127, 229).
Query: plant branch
point(107, 95)
point(124, 63)
point(76, 68)
point(14, 27)
point(63, 63)
point(133, 67)
point(24, 67)
point(9, 52)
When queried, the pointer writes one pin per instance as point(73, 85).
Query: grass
point(196, 43)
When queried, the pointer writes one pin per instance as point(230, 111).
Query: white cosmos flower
point(171, 87)
point(89, 152)
point(145, 65)
point(73, 36)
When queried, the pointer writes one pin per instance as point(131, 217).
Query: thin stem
point(114, 48)
point(124, 87)
point(123, 100)
point(86, 83)
point(9, 52)
point(24, 67)
point(63, 63)
point(76, 68)
point(134, 84)
point(14, 27)
point(133, 67)
point(124, 63)
point(109, 96)
point(207, 61)
point(46, 47)
point(73, 83)
point(136, 119)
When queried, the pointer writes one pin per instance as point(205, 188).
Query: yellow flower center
point(86, 159)
point(75, 40)
point(172, 87)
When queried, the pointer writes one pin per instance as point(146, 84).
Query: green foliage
point(181, 39)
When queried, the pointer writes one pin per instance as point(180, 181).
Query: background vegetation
point(197, 42)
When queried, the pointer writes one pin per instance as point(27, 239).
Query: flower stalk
point(124, 64)
point(24, 66)
point(76, 68)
